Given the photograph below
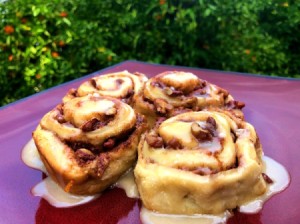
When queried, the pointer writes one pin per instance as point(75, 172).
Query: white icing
point(180, 77)
point(55, 195)
point(149, 217)
point(127, 183)
point(31, 157)
point(47, 188)
point(100, 106)
point(243, 133)
point(280, 178)
point(212, 146)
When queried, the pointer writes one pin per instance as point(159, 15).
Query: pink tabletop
point(272, 106)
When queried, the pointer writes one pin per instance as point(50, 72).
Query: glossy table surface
point(272, 106)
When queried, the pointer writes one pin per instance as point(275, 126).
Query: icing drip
point(51, 192)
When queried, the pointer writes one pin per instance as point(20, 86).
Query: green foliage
point(44, 43)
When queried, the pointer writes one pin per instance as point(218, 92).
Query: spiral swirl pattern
point(174, 92)
point(199, 162)
point(88, 142)
point(121, 85)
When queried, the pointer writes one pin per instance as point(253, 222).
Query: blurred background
point(45, 43)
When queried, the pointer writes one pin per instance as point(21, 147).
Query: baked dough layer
point(87, 143)
point(199, 163)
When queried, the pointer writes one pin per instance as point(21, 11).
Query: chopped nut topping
point(102, 163)
point(202, 84)
point(60, 118)
point(93, 83)
point(162, 106)
point(73, 92)
point(170, 91)
point(200, 133)
point(223, 91)
point(233, 104)
point(59, 107)
point(211, 125)
point(154, 141)
point(92, 125)
point(174, 143)
point(84, 155)
point(267, 178)
point(109, 143)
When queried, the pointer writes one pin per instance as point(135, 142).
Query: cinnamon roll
point(199, 162)
point(174, 92)
point(121, 85)
point(88, 142)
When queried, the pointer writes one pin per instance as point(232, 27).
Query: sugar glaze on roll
point(173, 92)
point(87, 143)
point(121, 85)
point(199, 163)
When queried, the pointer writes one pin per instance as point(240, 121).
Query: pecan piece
point(59, 107)
point(267, 178)
point(130, 93)
point(73, 92)
point(174, 143)
point(162, 106)
point(212, 122)
point(170, 91)
point(109, 143)
point(60, 118)
point(200, 85)
point(233, 104)
point(93, 83)
point(92, 125)
point(102, 163)
point(200, 91)
point(84, 155)
point(223, 91)
point(200, 133)
point(154, 141)
point(211, 126)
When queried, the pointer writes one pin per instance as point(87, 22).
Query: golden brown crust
point(88, 142)
point(199, 162)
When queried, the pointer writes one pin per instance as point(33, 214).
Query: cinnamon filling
point(169, 90)
point(199, 89)
point(206, 135)
point(202, 171)
point(128, 98)
point(86, 152)
point(95, 124)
